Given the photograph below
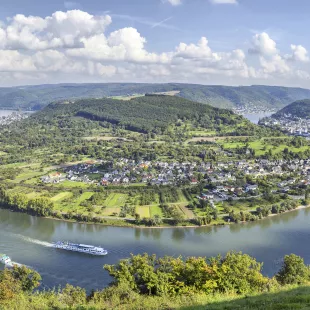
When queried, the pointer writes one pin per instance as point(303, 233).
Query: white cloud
point(262, 44)
point(224, 1)
point(76, 46)
point(15, 61)
point(274, 65)
point(125, 44)
point(61, 29)
point(299, 53)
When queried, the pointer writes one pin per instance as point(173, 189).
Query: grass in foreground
point(288, 298)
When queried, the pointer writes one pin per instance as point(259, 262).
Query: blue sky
point(231, 42)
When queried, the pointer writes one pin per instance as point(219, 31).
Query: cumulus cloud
point(125, 44)
point(262, 44)
point(61, 29)
point(299, 53)
point(76, 46)
point(224, 1)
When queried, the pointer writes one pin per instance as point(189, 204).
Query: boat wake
point(12, 264)
point(35, 241)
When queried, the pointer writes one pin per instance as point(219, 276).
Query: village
point(222, 180)
point(292, 125)
point(252, 108)
point(13, 117)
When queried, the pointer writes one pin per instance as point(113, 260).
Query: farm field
point(143, 211)
point(116, 200)
point(61, 196)
point(155, 210)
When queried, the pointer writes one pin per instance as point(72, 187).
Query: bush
point(293, 271)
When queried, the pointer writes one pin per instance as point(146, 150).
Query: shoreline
point(161, 227)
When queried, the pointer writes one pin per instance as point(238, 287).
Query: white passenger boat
point(82, 248)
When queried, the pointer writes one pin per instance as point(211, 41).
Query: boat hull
point(68, 248)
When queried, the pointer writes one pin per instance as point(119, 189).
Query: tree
point(293, 271)
point(28, 278)
point(9, 286)
point(73, 296)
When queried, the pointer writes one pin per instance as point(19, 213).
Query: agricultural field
point(115, 200)
point(61, 196)
point(155, 210)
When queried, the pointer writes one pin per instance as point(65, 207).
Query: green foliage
point(147, 282)
point(73, 296)
point(41, 206)
point(236, 272)
point(300, 108)
point(20, 279)
point(293, 271)
point(28, 278)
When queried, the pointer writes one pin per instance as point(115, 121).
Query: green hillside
point(65, 123)
point(36, 97)
point(143, 114)
point(300, 108)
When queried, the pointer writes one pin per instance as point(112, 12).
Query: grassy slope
point(293, 298)
point(287, 298)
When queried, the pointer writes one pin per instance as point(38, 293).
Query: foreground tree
point(293, 271)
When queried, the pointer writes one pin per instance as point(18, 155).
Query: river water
point(28, 240)
point(255, 117)
point(6, 112)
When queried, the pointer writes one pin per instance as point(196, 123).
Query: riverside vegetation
point(147, 282)
point(203, 145)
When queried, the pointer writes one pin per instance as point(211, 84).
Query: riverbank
point(126, 223)
point(27, 240)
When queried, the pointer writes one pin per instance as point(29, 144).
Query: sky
point(227, 42)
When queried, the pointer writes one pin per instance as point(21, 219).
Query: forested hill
point(300, 108)
point(150, 113)
point(36, 97)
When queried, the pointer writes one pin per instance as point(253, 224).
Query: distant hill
point(144, 114)
point(36, 97)
point(65, 123)
point(300, 108)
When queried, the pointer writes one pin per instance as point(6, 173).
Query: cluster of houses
point(222, 192)
point(221, 175)
point(252, 109)
point(127, 171)
point(292, 125)
point(77, 173)
point(14, 116)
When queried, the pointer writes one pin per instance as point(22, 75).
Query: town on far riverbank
point(156, 193)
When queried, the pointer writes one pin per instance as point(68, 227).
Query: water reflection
point(178, 234)
point(137, 233)
point(156, 233)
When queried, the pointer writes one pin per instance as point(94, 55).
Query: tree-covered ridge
point(300, 108)
point(144, 114)
point(36, 97)
point(148, 114)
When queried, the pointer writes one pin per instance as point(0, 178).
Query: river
point(6, 112)
point(28, 240)
point(255, 117)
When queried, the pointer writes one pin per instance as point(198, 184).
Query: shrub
point(293, 271)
